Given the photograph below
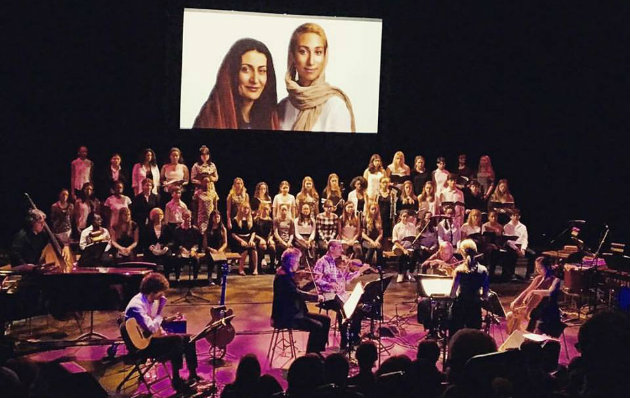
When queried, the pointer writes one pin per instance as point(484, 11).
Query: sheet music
point(351, 304)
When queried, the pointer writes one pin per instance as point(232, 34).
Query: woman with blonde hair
point(470, 286)
point(308, 195)
point(398, 171)
point(237, 195)
point(312, 104)
point(173, 173)
point(244, 238)
point(473, 224)
point(408, 199)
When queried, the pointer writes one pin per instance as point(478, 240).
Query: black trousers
point(174, 347)
point(318, 326)
point(466, 314)
point(408, 263)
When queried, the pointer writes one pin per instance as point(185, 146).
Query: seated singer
point(146, 308)
point(403, 237)
point(331, 280)
point(470, 286)
point(289, 309)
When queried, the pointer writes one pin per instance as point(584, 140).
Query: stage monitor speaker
point(70, 380)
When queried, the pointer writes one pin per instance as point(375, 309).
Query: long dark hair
point(221, 110)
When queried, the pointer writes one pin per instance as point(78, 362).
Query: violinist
point(538, 303)
point(29, 243)
point(330, 280)
point(289, 309)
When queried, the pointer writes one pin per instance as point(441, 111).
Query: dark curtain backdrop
point(542, 88)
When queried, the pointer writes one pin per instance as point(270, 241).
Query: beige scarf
point(310, 100)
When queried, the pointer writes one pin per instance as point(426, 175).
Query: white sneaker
point(263, 262)
point(410, 277)
point(399, 278)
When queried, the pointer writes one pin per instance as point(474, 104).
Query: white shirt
point(334, 117)
point(139, 173)
point(449, 232)
point(80, 172)
point(520, 231)
point(115, 204)
point(402, 231)
point(148, 315)
point(439, 177)
point(83, 240)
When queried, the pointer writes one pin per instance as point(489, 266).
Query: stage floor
point(250, 298)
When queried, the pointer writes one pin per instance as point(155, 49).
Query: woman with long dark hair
point(244, 96)
point(145, 168)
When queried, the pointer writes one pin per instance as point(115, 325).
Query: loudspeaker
point(69, 379)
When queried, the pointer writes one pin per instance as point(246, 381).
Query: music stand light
point(434, 286)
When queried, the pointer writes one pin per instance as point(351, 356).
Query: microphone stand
point(381, 299)
point(595, 257)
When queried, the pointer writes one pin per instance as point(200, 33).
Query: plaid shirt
point(326, 226)
point(327, 274)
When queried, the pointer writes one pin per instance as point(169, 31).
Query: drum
point(576, 278)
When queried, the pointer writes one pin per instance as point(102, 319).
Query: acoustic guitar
point(140, 338)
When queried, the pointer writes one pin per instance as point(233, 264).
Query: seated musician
point(538, 303)
point(29, 243)
point(93, 235)
point(470, 287)
point(449, 229)
point(187, 241)
point(146, 308)
point(403, 235)
point(440, 262)
point(517, 248)
point(331, 280)
point(289, 309)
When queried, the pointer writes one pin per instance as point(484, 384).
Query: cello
point(224, 334)
point(53, 252)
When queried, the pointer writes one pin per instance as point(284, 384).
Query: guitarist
point(146, 308)
point(538, 303)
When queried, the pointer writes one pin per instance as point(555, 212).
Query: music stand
point(92, 255)
point(494, 309)
point(347, 310)
point(438, 289)
point(190, 296)
point(373, 296)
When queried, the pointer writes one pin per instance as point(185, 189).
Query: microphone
point(577, 221)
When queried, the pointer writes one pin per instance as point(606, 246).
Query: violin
point(353, 264)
